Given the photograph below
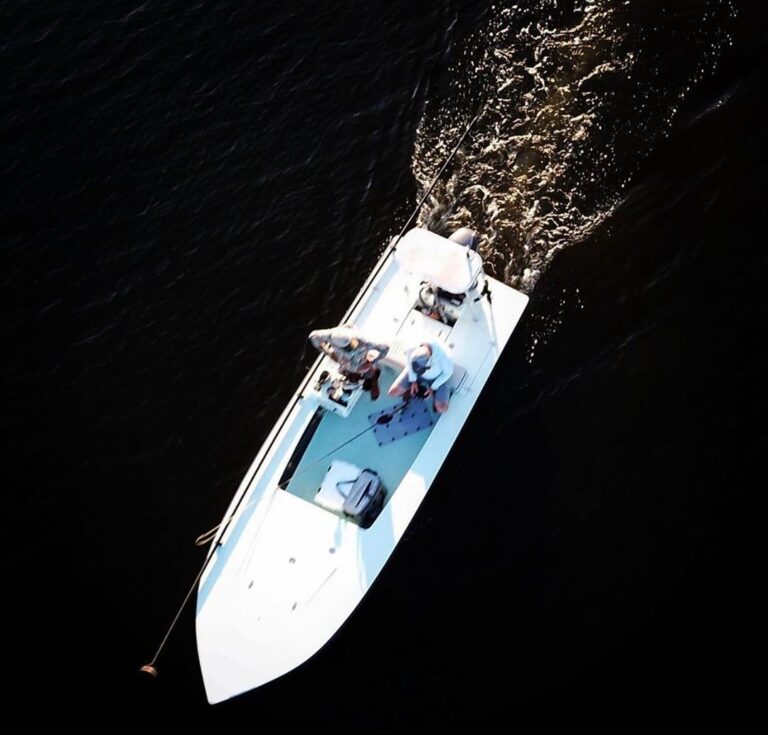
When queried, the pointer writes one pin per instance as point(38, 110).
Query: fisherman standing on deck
point(427, 367)
point(357, 357)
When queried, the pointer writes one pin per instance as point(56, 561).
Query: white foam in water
point(577, 94)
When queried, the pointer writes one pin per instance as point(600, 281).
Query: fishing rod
point(355, 303)
point(150, 668)
point(440, 172)
point(396, 240)
point(382, 420)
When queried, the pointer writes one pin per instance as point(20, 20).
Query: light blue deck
point(391, 461)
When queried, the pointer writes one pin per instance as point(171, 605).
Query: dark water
point(189, 188)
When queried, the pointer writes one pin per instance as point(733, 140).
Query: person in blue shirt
point(428, 368)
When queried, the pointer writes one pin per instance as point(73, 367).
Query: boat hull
point(285, 573)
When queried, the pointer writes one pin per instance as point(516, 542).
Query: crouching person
point(428, 371)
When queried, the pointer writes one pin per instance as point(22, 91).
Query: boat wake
point(576, 94)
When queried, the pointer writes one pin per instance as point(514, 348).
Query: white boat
point(289, 565)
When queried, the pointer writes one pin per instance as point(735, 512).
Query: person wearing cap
point(427, 367)
point(357, 357)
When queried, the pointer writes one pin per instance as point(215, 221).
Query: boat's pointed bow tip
point(226, 678)
point(216, 697)
point(216, 694)
point(218, 691)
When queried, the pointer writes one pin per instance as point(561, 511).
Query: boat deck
point(390, 461)
point(284, 572)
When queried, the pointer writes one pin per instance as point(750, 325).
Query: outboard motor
point(467, 237)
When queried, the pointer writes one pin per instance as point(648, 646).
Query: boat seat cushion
point(329, 495)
